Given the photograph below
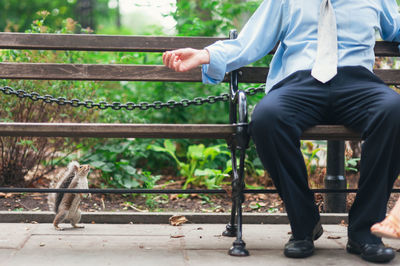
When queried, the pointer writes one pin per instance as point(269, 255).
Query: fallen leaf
point(177, 236)
point(177, 220)
point(334, 237)
point(173, 196)
point(6, 195)
point(263, 196)
point(343, 223)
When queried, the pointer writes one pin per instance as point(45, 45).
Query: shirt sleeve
point(390, 21)
point(257, 38)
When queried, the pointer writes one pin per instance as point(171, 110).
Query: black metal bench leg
point(231, 227)
point(335, 177)
point(239, 246)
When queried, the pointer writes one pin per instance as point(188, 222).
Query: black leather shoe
point(303, 248)
point(299, 248)
point(371, 252)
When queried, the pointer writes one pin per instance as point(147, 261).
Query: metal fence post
point(335, 178)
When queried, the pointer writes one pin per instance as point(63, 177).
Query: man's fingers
point(177, 59)
point(171, 63)
point(167, 57)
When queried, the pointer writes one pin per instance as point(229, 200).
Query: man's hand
point(182, 60)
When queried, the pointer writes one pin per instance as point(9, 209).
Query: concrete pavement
point(151, 244)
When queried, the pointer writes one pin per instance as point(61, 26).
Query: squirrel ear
point(76, 167)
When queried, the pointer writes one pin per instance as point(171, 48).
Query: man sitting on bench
point(321, 73)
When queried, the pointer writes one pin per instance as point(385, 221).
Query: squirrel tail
point(57, 181)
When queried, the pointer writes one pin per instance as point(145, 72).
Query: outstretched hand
point(182, 60)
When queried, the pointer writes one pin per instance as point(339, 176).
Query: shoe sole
point(298, 255)
point(380, 259)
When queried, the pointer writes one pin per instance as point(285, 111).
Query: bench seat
point(193, 131)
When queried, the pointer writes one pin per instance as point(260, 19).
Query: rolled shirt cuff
point(214, 72)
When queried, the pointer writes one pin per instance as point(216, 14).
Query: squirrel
point(66, 205)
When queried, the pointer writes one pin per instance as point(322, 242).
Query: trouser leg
point(369, 106)
point(276, 126)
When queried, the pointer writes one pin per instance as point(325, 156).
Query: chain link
point(34, 96)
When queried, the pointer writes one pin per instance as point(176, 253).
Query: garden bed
point(175, 203)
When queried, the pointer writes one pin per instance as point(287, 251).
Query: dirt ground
point(177, 203)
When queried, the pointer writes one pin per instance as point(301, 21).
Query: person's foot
point(299, 248)
point(305, 247)
point(389, 227)
point(371, 252)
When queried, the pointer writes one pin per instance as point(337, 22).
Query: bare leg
point(60, 216)
point(76, 219)
point(390, 226)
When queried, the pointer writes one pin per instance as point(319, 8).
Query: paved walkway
point(138, 244)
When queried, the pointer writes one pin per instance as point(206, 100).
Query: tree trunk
point(118, 16)
point(85, 13)
point(204, 14)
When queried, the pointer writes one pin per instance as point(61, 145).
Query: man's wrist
point(205, 56)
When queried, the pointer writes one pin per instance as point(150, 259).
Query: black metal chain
point(34, 96)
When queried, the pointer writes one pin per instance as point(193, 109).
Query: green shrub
point(117, 160)
point(19, 156)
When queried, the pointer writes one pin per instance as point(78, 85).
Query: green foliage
point(19, 156)
point(311, 159)
point(351, 163)
point(197, 166)
point(117, 161)
point(225, 15)
point(17, 15)
point(212, 17)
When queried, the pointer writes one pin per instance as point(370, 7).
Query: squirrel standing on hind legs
point(66, 205)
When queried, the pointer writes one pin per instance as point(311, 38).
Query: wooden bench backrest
point(83, 42)
point(121, 72)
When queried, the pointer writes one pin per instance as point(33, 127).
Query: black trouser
point(355, 98)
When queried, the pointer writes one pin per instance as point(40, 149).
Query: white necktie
point(325, 66)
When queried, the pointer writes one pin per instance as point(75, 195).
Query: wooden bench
point(234, 131)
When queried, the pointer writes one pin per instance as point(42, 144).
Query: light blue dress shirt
point(294, 24)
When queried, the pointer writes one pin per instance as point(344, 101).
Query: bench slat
point(138, 73)
point(330, 132)
point(194, 131)
point(88, 42)
point(38, 71)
